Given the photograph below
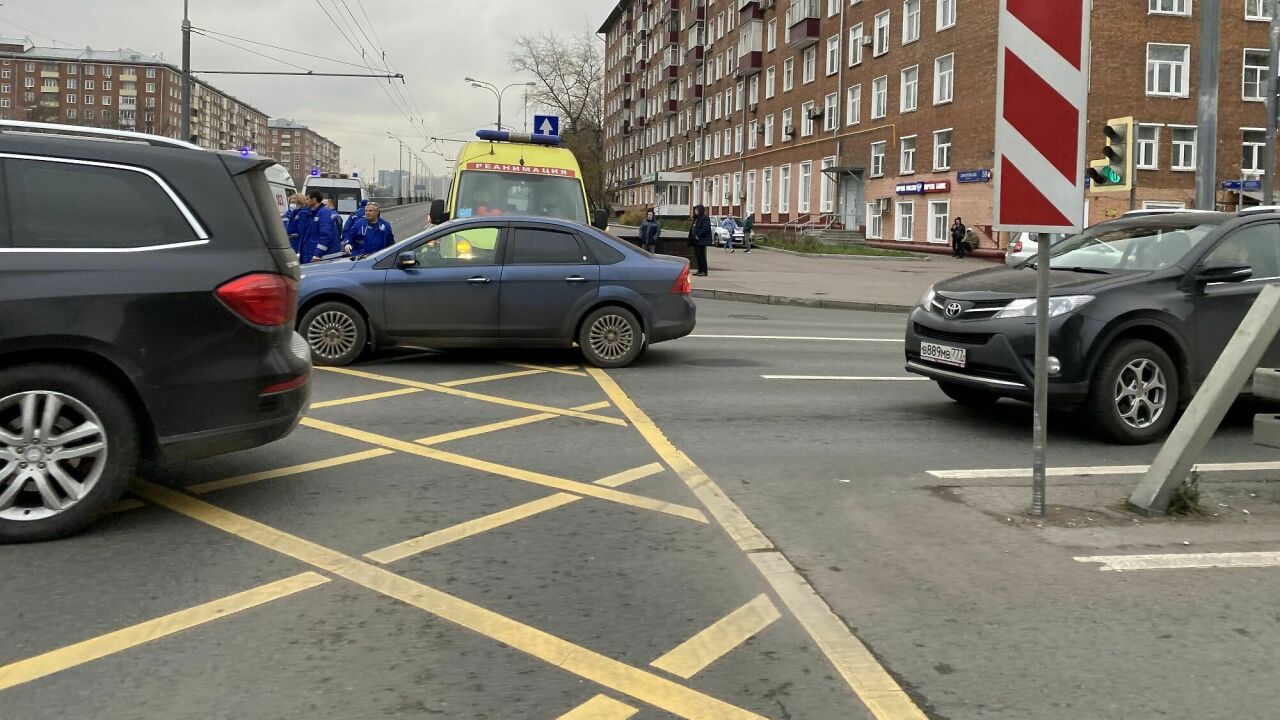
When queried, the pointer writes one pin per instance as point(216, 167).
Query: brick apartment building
point(122, 90)
point(299, 148)
point(879, 115)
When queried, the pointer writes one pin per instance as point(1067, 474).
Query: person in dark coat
point(957, 239)
point(295, 219)
point(700, 237)
point(650, 231)
point(352, 219)
point(369, 234)
point(320, 235)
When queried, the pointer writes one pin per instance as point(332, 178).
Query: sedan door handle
point(479, 280)
point(575, 279)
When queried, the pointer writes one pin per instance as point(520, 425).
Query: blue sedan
point(498, 281)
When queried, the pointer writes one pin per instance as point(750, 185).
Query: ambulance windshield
point(483, 192)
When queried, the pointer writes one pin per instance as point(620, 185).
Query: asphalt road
point(425, 546)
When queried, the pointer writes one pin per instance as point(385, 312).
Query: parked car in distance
point(1023, 246)
point(498, 281)
point(147, 299)
point(1141, 308)
point(720, 236)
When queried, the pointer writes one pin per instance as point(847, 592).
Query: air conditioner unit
point(883, 204)
point(789, 130)
point(753, 107)
point(867, 40)
point(759, 129)
point(815, 113)
point(767, 4)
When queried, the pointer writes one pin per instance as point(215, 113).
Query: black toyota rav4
point(1140, 309)
point(147, 301)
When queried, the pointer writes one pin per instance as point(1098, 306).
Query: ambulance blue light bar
point(505, 136)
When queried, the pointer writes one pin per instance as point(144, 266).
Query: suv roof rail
point(1258, 209)
point(53, 128)
point(1163, 211)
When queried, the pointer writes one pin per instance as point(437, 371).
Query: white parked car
point(1023, 247)
point(719, 235)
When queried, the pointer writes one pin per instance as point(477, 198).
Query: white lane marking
point(872, 378)
point(797, 337)
point(1093, 470)
point(1183, 561)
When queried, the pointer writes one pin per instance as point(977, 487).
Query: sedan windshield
point(1132, 247)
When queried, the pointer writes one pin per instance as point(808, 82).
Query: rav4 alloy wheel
point(1134, 392)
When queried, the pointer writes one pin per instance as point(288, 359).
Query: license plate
point(944, 354)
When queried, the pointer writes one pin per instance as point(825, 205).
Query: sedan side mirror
point(406, 260)
point(438, 214)
point(600, 219)
point(1224, 274)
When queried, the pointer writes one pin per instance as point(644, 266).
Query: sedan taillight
point(261, 298)
point(682, 285)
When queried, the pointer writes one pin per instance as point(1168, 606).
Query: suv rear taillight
point(682, 285)
point(261, 298)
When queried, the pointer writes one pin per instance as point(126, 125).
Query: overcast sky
point(435, 43)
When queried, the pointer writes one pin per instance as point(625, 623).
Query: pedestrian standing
point(295, 219)
point(650, 231)
point(369, 234)
point(957, 238)
point(700, 237)
point(354, 217)
point(320, 235)
point(730, 226)
point(747, 226)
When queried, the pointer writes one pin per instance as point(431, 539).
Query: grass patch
point(813, 247)
point(1186, 497)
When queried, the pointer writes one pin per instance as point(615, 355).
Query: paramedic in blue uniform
point(369, 234)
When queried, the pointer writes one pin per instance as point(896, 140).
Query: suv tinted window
point(1257, 246)
point(546, 247)
point(69, 205)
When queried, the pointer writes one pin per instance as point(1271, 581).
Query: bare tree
point(570, 76)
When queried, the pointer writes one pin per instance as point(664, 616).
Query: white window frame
point(880, 97)
point(1260, 13)
point(773, 35)
point(944, 79)
point(784, 189)
point(880, 33)
point(1149, 147)
point(768, 130)
point(877, 158)
point(833, 8)
point(1185, 65)
point(827, 187)
point(1258, 148)
point(875, 222)
point(833, 55)
point(853, 105)
point(770, 82)
point(788, 74)
point(904, 221)
point(911, 21)
point(804, 177)
point(766, 191)
point(806, 119)
point(909, 95)
point(831, 112)
point(809, 65)
point(946, 15)
point(907, 155)
point(1260, 75)
point(855, 45)
point(1177, 7)
point(934, 217)
point(938, 145)
point(787, 120)
point(1176, 145)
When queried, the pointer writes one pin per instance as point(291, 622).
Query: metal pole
point(400, 176)
point(1041, 396)
point(186, 73)
point(1272, 90)
point(1207, 107)
point(500, 108)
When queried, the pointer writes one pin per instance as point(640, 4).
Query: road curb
point(842, 256)
point(800, 302)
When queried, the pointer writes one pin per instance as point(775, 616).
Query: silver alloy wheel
point(1141, 393)
point(332, 334)
point(611, 337)
point(53, 450)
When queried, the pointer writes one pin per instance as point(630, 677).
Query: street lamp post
point(400, 176)
point(498, 93)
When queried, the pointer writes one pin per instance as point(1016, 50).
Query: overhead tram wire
point(207, 31)
point(251, 51)
point(380, 54)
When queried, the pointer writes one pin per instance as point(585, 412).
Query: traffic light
point(1114, 172)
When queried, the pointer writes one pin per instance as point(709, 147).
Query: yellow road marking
point(572, 486)
point(70, 656)
point(488, 378)
point(470, 528)
point(695, 654)
point(562, 370)
point(866, 677)
point(364, 398)
point(433, 387)
point(231, 482)
point(605, 671)
point(501, 425)
point(600, 708)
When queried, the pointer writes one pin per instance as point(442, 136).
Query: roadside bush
point(631, 217)
point(674, 224)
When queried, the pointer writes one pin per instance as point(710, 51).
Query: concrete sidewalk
point(853, 283)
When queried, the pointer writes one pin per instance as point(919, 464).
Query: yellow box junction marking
point(364, 398)
point(70, 656)
point(572, 486)
point(490, 378)
point(698, 652)
point(470, 528)
point(563, 370)
point(588, 664)
point(501, 425)
point(600, 708)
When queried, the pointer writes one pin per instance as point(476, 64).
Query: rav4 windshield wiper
point(1075, 268)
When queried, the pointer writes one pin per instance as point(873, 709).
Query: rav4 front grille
point(958, 337)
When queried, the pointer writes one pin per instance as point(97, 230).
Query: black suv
point(147, 302)
point(1140, 308)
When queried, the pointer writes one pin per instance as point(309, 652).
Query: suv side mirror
point(406, 260)
point(600, 219)
point(438, 214)
point(1224, 274)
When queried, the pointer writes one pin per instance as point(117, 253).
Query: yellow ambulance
point(504, 173)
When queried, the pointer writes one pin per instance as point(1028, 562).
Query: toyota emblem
point(952, 309)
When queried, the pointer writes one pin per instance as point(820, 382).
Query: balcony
point(640, 64)
point(626, 103)
point(673, 33)
point(750, 48)
point(750, 10)
point(626, 77)
point(671, 64)
point(128, 77)
point(695, 53)
point(803, 19)
point(698, 13)
point(671, 106)
point(49, 74)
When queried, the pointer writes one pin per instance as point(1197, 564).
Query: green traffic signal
point(1110, 175)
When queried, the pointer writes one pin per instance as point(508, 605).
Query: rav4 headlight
point(926, 301)
point(1058, 305)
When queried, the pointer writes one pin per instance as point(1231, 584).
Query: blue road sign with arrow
point(546, 124)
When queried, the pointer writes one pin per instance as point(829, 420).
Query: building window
point(905, 220)
point(6, 88)
point(766, 191)
point(89, 99)
point(768, 131)
point(71, 114)
point(753, 90)
point(833, 8)
point(151, 72)
point(29, 82)
point(806, 119)
point(1184, 148)
point(942, 150)
point(737, 139)
point(881, 40)
point(1148, 144)
point(879, 97)
point(753, 132)
point(6, 73)
point(90, 69)
point(877, 159)
point(827, 189)
point(1254, 141)
point(804, 185)
point(773, 34)
point(788, 74)
point(30, 67)
point(944, 79)
point(875, 223)
point(831, 113)
point(88, 85)
point(784, 188)
point(907, 155)
point(71, 69)
point(750, 205)
point(1257, 10)
point(88, 114)
point(910, 89)
point(855, 44)
point(71, 99)
point(1169, 7)
point(810, 61)
point(833, 54)
point(910, 21)
point(107, 71)
point(151, 87)
point(939, 214)
point(770, 84)
point(946, 14)
point(72, 84)
point(788, 130)
point(1255, 74)
point(1167, 69)
point(106, 84)
point(853, 106)
point(4, 102)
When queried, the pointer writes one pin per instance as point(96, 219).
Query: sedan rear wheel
point(1134, 393)
point(611, 337)
point(336, 333)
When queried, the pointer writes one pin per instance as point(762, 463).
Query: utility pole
point(1273, 91)
point(186, 72)
point(1207, 107)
